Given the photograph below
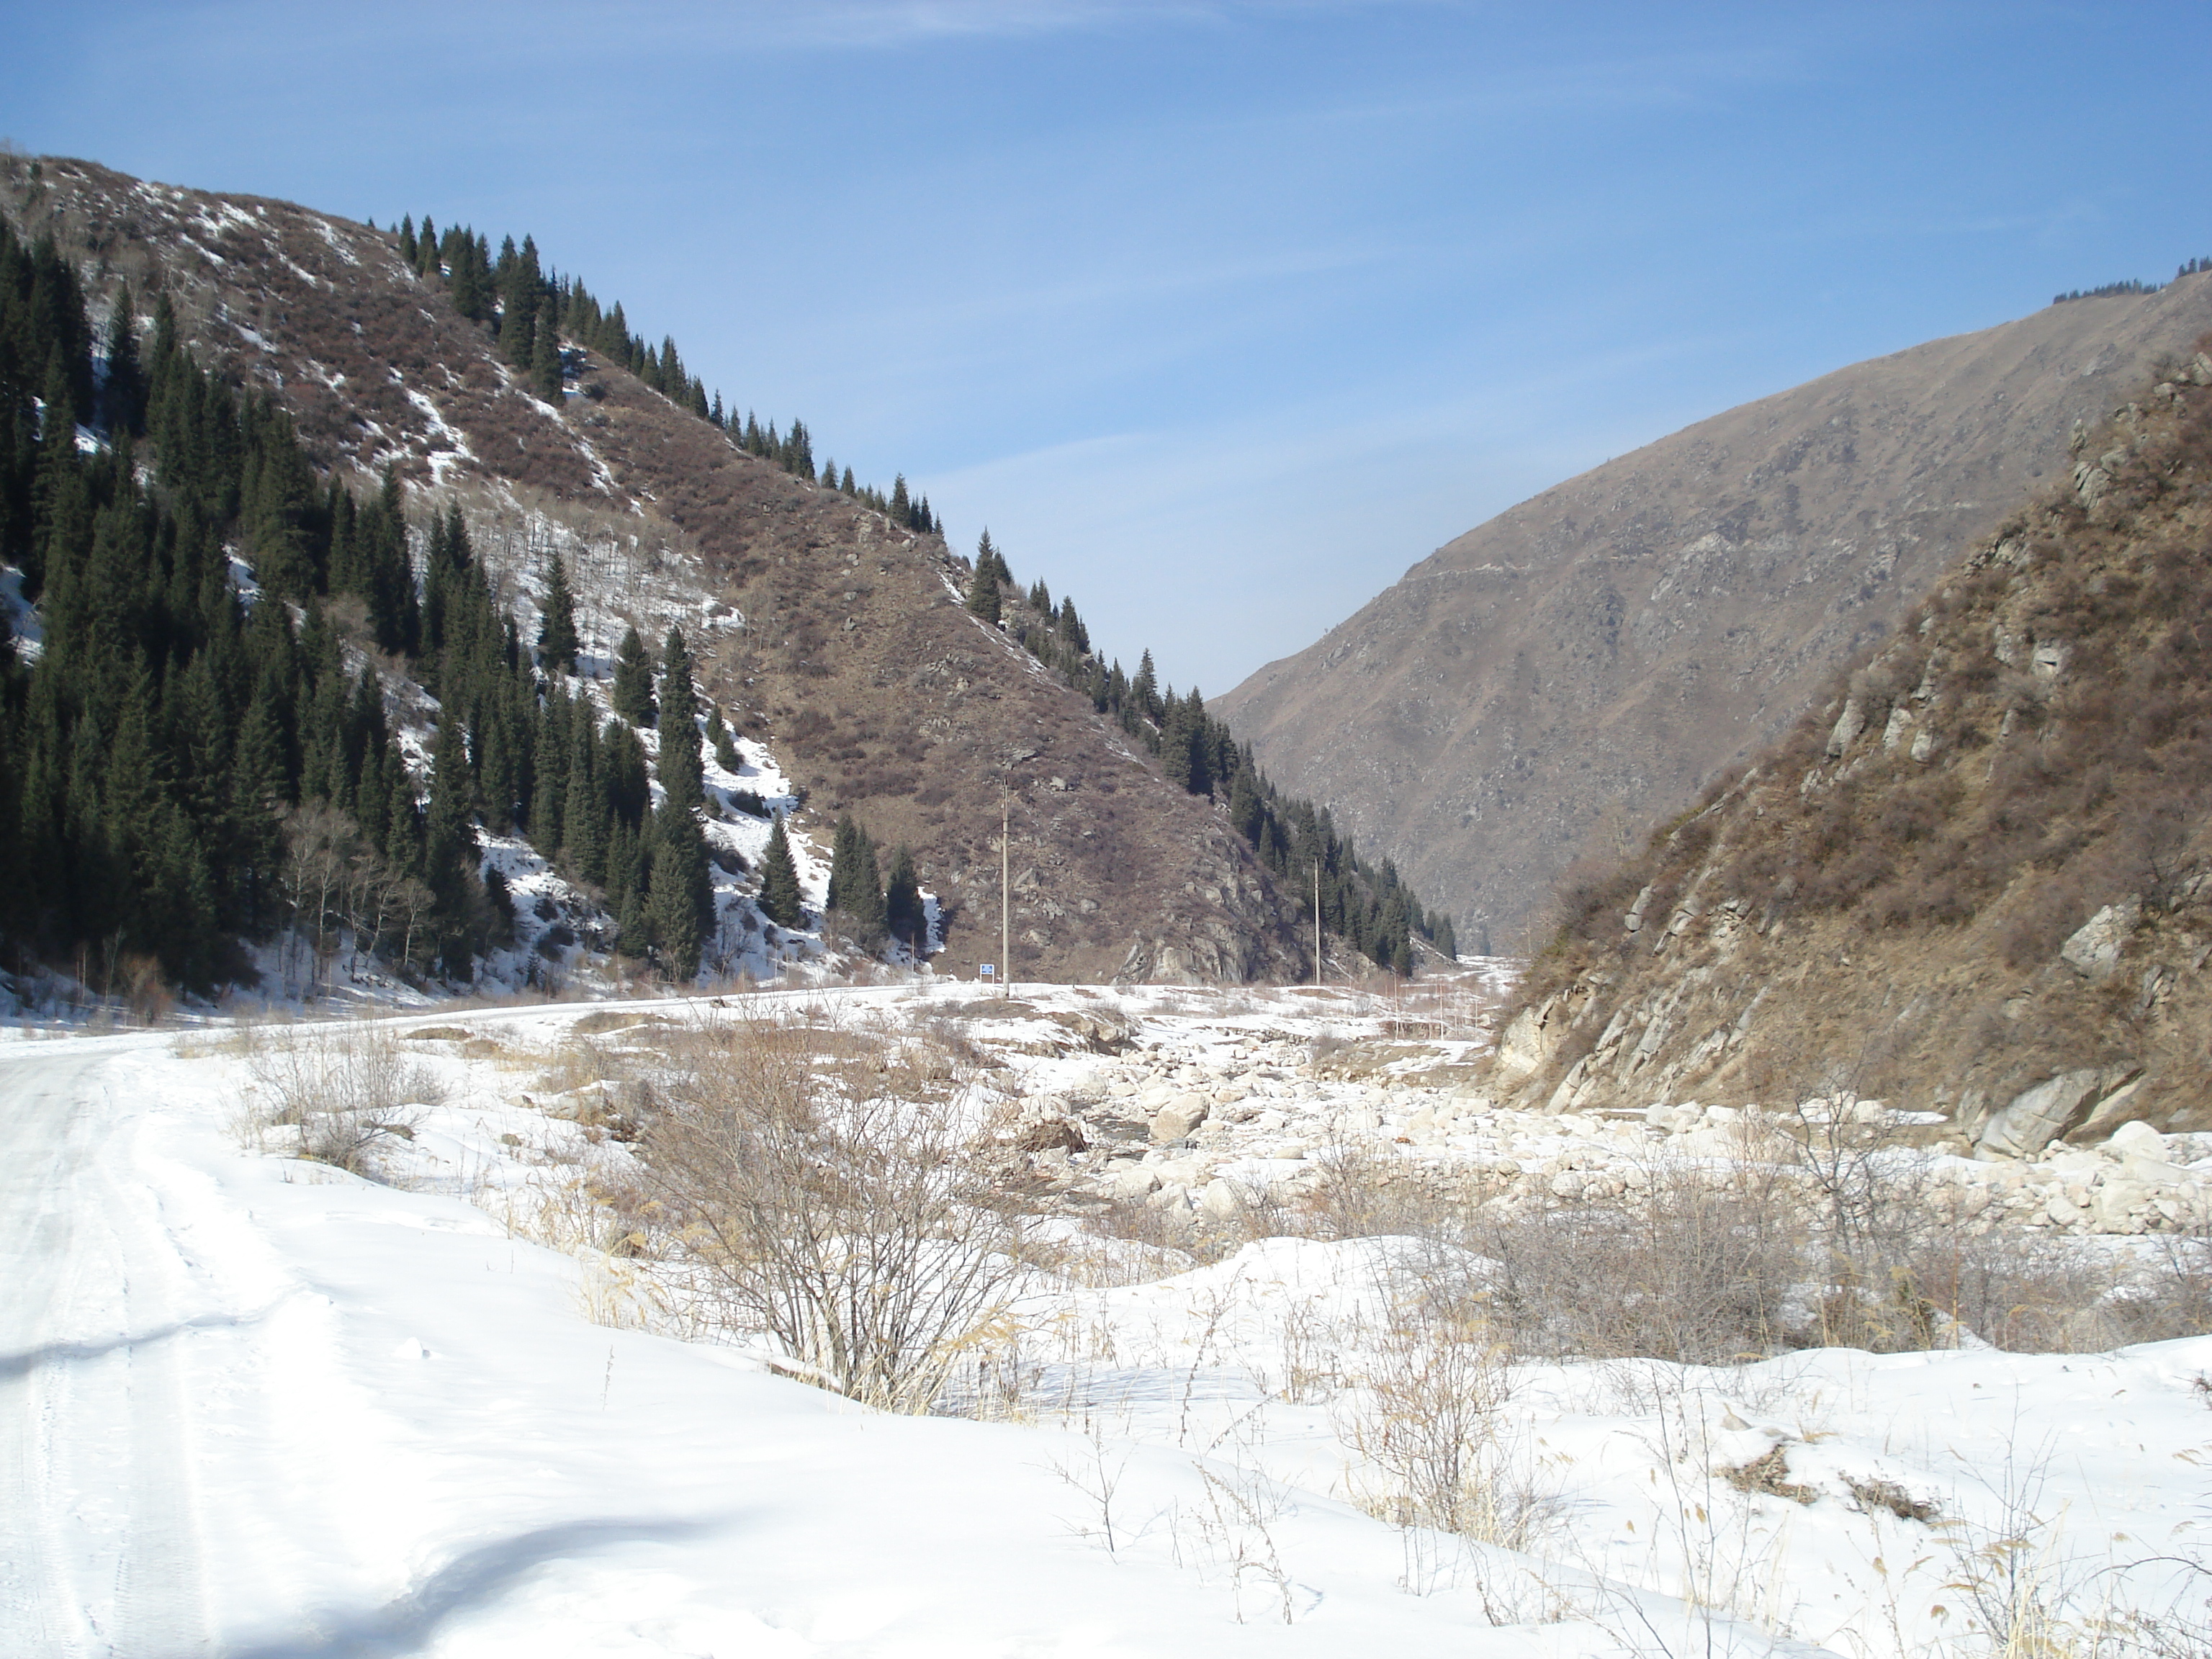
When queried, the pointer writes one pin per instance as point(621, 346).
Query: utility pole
point(1316, 873)
point(1006, 901)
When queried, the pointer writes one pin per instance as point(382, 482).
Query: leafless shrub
point(1366, 1190)
point(349, 1094)
point(1876, 1492)
point(1688, 1267)
point(1769, 1473)
point(830, 1198)
point(1430, 1420)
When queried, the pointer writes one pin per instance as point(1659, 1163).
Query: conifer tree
point(633, 686)
point(725, 744)
point(844, 861)
point(983, 586)
point(856, 888)
point(557, 632)
point(903, 913)
point(683, 902)
point(781, 900)
point(449, 850)
point(122, 393)
point(545, 355)
point(680, 778)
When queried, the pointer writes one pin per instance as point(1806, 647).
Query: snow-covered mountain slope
point(823, 628)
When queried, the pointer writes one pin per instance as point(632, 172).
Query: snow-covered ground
point(258, 1406)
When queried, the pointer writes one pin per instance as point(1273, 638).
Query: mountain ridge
point(1539, 689)
point(1972, 879)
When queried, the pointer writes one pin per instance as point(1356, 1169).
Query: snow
point(448, 446)
point(256, 1405)
point(24, 624)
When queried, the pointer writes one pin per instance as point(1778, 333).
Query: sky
point(1219, 314)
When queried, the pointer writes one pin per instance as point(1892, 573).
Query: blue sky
point(1218, 314)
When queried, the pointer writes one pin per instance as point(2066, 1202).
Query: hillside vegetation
point(1973, 876)
point(364, 571)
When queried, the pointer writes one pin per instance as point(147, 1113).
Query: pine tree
point(680, 911)
point(903, 913)
point(557, 632)
point(1144, 690)
point(450, 851)
point(680, 776)
point(683, 903)
point(545, 355)
point(856, 888)
point(781, 900)
point(725, 744)
point(633, 686)
point(122, 393)
point(842, 861)
point(983, 586)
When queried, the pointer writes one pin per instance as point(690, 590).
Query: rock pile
point(1196, 1131)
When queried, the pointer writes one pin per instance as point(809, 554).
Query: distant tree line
point(2110, 290)
point(1369, 905)
point(191, 758)
point(531, 311)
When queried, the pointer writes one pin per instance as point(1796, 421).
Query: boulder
point(1052, 1134)
point(1131, 1181)
point(2094, 950)
point(1849, 725)
point(2037, 1116)
point(2115, 1203)
point(2137, 1140)
point(1179, 1117)
point(1219, 1200)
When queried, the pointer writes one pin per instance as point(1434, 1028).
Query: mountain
point(1972, 878)
point(823, 620)
point(1538, 691)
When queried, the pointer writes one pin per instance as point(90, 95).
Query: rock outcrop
point(1975, 878)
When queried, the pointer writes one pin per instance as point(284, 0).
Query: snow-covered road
point(256, 1407)
point(100, 1546)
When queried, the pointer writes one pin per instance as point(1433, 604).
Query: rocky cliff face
point(1973, 878)
point(821, 628)
point(1543, 688)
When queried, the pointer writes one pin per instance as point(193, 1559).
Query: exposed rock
point(2094, 950)
point(1176, 1120)
point(1849, 725)
point(2039, 1115)
point(2137, 1140)
point(1053, 1132)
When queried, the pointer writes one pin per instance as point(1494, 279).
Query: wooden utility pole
point(1316, 923)
point(1006, 901)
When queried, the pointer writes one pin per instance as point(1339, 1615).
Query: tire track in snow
point(98, 1465)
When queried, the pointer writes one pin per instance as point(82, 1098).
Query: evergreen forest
point(202, 752)
point(199, 752)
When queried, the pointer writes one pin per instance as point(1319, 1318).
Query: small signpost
point(986, 971)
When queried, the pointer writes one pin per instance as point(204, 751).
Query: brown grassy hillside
point(1976, 866)
point(1543, 687)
